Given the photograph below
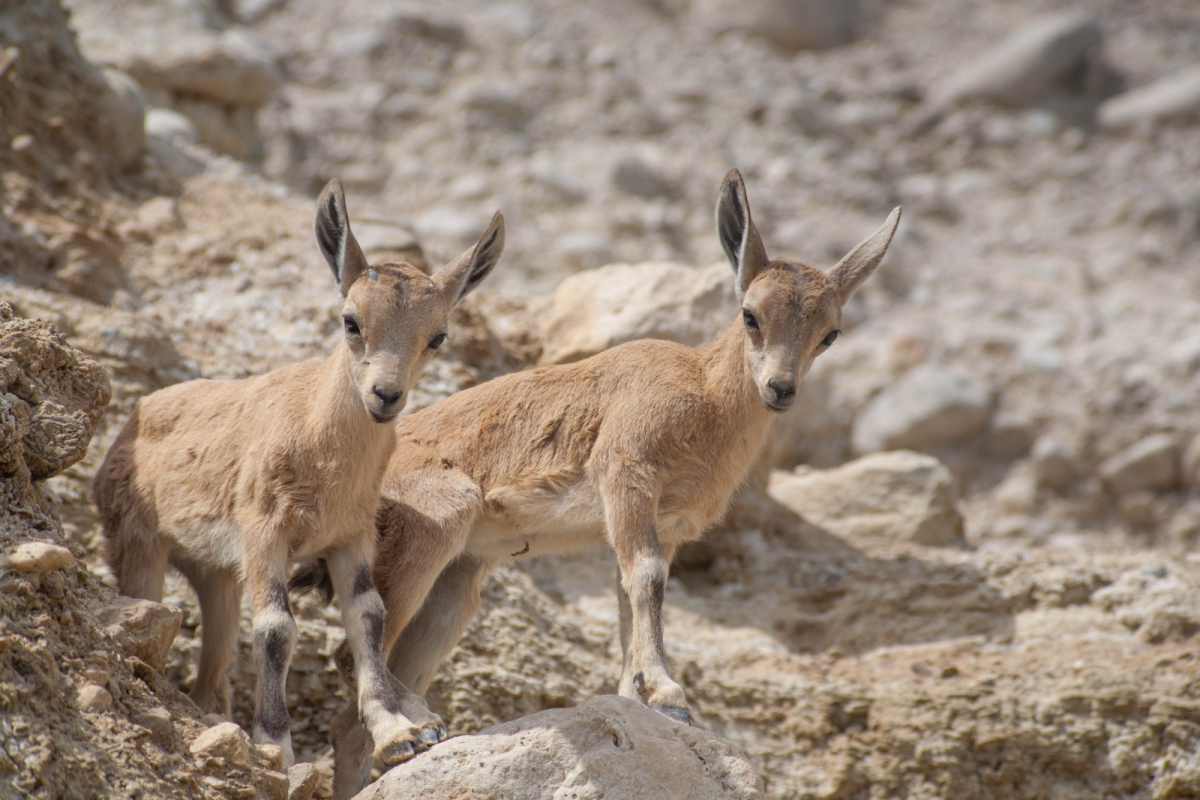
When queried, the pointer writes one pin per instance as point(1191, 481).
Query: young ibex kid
point(640, 446)
point(230, 481)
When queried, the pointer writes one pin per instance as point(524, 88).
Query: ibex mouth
point(381, 418)
point(776, 408)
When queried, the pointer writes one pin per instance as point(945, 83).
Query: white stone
point(225, 741)
point(929, 406)
point(302, 781)
point(789, 24)
point(1150, 465)
point(879, 498)
point(39, 557)
point(94, 698)
point(596, 309)
point(141, 628)
point(1174, 97)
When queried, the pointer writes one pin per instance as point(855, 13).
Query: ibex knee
point(647, 579)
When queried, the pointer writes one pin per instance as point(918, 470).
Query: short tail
point(313, 577)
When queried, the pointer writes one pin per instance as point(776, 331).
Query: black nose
point(783, 391)
point(387, 398)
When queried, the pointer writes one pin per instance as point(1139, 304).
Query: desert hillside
point(968, 565)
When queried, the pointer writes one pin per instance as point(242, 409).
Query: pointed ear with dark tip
point(463, 274)
point(737, 233)
point(859, 263)
point(334, 239)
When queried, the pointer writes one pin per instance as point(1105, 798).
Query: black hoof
point(430, 736)
point(397, 753)
point(678, 713)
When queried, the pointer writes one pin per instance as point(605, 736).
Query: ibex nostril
point(783, 391)
point(387, 398)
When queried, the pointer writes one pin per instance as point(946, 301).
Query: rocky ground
point(1014, 617)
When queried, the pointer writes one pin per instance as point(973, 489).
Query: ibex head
point(394, 316)
point(792, 312)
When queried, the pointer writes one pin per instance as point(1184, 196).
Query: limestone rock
point(789, 24)
point(39, 557)
point(634, 175)
point(51, 396)
point(157, 720)
point(605, 747)
point(1174, 97)
point(1056, 463)
point(141, 628)
point(893, 496)
point(596, 309)
point(226, 742)
point(1150, 465)
point(930, 406)
point(302, 781)
point(123, 108)
point(1034, 62)
point(94, 698)
point(1190, 464)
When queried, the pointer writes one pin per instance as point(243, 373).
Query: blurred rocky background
point(968, 565)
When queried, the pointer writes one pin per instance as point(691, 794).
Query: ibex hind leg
point(430, 636)
point(220, 594)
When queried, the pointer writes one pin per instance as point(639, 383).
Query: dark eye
point(830, 339)
point(437, 341)
point(351, 325)
point(750, 320)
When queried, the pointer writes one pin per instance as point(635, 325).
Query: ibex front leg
point(643, 579)
point(399, 721)
point(274, 638)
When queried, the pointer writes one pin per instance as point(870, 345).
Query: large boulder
point(884, 497)
point(1061, 52)
point(930, 406)
point(1175, 97)
point(51, 398)
point(607, 747)
point(598, 308)
point(216, 74)
point(1151, 464)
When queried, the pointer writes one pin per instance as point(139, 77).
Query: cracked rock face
point(51, 398)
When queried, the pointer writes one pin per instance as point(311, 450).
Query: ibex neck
point(731, 379)
point(338, 415)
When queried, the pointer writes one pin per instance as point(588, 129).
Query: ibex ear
point(337, 243)
point(859, 263)
point(738, 235)
point(467, 271)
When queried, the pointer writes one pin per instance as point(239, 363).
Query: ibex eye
point(749, 319)
point(351, 325)
point(830, 339)
point(437, 341)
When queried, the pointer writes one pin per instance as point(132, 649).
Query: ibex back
point(641, 446)
point(230, 481)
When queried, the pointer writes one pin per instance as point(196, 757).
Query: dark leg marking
point(277, 597)
point(522, 552)
point(272, 715)
point(374, 626)
point(274, 643)
point(362, 581)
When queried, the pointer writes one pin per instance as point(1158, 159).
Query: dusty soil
point(1054, 655)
